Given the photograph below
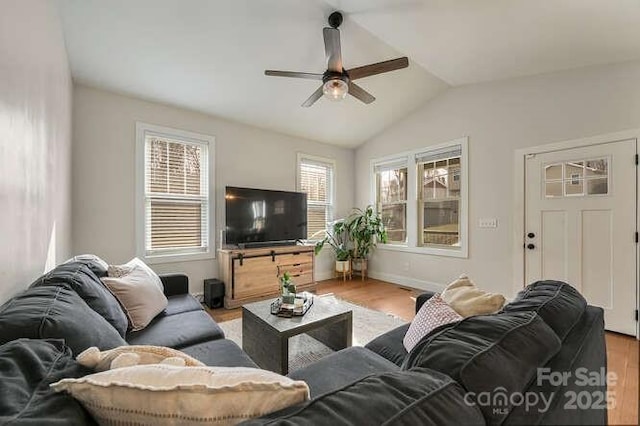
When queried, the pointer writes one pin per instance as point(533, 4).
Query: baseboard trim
point(323, 275)
point(407, 281)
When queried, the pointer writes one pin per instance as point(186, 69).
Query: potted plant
point(287, 288)
point(365, 229)
point(337, 237)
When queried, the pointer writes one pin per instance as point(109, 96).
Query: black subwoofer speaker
point(214, 293)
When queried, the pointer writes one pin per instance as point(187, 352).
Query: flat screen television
point(256, 217)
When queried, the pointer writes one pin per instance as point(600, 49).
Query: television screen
point(256, 216)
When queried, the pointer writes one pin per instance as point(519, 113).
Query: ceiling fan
point(336, 81)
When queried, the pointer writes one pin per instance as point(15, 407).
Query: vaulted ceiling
point(210, 55)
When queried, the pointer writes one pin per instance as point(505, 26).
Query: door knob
point(531, 235)
point(531, 246)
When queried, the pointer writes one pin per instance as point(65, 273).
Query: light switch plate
point(488, 223)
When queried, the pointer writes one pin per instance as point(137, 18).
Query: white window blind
point(439, 154)
point(316, 179)
point(176, 196)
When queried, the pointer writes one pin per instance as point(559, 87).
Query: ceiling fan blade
point(294, 74)
point(361, 94)
point(378, 68)
point(332, 49)
point(313, 98)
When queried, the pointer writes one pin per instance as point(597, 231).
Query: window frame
point(413, 200)
point(179, 255)
point(386, 164)
point(300, 157)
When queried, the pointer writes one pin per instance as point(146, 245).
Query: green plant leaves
point(356, 236)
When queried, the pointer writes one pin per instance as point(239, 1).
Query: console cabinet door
point(256, 276)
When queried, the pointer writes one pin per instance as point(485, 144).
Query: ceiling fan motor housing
point(331, 75)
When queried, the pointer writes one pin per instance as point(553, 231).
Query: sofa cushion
point(171, 395)
point(220, 353)
point(484, 353)
point(181, 303)
point(98, 266)
point(56, 312)
point(341, 368)
point(418, 397)
point(583, 348)
point(27, 368)
point(177, 331)
point(389, 345)
point(558, 303)
point(139, 294)
point(76, 275)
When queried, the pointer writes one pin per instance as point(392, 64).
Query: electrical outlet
point(488, 223)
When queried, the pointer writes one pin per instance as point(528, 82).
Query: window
point(439, 197)
point(173, 194)
point(316, 179)
point(422, 198)
point(391, 199)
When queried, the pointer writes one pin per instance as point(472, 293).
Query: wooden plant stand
point(364, 265)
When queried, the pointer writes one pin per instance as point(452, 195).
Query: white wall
point(499, 118)
point(104, 166)
point(35, 139)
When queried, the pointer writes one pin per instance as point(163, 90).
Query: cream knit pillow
point(127, 356)
point(468, 300)
point(138, 293)
point(158, 394)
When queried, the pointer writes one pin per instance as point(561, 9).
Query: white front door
point(580, 225)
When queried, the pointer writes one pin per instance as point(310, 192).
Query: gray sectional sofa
point(548, 326)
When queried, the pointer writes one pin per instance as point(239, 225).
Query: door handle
point(531, 235)
point(531, 246)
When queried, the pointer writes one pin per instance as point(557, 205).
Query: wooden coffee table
point(265, 337)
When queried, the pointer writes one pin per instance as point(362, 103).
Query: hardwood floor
point(622, 359)
point(622, 351)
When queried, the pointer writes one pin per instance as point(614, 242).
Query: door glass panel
point(554, 189)
point(597, 168)
point(553, 172)
point(597, 186)
point(573, 169)
point(574, 187)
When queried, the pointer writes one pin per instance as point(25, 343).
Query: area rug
point(303, 349)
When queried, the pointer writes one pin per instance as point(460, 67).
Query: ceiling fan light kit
point(335, 89)
point(336, 81)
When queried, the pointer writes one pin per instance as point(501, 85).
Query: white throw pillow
point(468, 300)
point(159, 394)
point(433, 313)
point(120, 270)
point(138, 293)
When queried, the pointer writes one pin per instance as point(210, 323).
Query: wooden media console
point(253, 274)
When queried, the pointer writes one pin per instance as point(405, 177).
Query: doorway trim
point(519, 210)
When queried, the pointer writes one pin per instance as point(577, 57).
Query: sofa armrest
point(423, 298)
point(175, 284)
